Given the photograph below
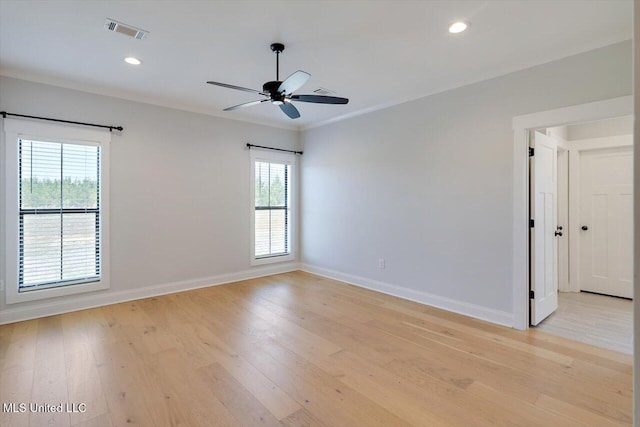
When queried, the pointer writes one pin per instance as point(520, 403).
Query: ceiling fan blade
point(246, 104)
point(320, 99)
point(290, 110)
point(237, 87)
point(294, 82)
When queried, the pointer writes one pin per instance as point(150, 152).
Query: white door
point(605, 226)
point(544, 213)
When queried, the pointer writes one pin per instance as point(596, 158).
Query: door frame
point(521, 125)
point(563, 218)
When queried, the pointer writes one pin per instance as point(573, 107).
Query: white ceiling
point(377, 53)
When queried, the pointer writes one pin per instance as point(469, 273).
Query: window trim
point(257, 155)
point(15, 130)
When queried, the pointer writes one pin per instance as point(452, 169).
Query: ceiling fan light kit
point(280, 93)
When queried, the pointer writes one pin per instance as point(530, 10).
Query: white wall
point(600, 128)
point(179, 192)
point(427, 185)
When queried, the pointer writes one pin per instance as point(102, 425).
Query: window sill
point(14, 296)
point(272, 259)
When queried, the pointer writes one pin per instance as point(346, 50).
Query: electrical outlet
point(381, 263)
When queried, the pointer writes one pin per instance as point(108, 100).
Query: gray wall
point(179, 184)
point(427, 185)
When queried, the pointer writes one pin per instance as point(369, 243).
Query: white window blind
point(59, 214)
point(272, 209)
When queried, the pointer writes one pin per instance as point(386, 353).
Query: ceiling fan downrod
point(277, 48)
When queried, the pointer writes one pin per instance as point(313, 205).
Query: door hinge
point(531, 223)
point(531, 151)
point(532, 295)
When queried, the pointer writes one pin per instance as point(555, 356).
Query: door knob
point(558, 233)
point(585, 228)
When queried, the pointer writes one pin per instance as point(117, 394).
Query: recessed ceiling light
point(131, 60)
point(458, 27)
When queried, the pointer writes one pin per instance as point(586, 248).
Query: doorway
point(586, 231)
point(522, 126)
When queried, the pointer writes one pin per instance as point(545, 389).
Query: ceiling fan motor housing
point(272, 89)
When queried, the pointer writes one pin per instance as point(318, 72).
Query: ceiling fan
point(280, 93)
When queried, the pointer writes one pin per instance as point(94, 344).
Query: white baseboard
point(479, 312)
point(84, 301)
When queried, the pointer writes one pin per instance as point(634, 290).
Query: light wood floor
point(594, 319)
point(300, 350)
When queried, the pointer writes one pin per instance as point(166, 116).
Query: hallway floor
point(593, 319)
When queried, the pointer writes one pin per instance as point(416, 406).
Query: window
point(272, 213)
point(56, 216)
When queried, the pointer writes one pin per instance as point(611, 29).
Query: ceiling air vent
point(125, 29)
point(323, 91)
